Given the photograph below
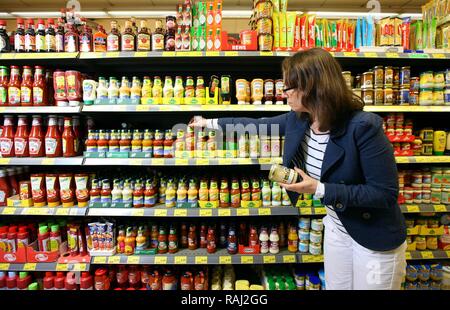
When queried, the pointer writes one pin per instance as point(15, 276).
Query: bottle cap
point(12, 274)
point(43, 229)
point(33, 287)
point(50, 21)
point(23, 274)
point(55, 228)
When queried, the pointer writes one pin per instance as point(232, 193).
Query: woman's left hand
point(307, 186)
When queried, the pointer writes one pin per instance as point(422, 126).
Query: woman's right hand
point(198, 121)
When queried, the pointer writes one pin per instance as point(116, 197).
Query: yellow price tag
point(212, 54)
point(99, 260)
point(29, 267)
point(448, 253)
point(265, 53)
point(143, 107)
point(320, 211)
point(402, 160)
point(180, 260)
point(224, 212)
point(370, 55)
point(2, 110)
point(205, 212)
point(9, 211)
point(4, 266)
point(283, 54)
point(439, 56)
point(201, 260)
point(181, 162)
point(158, 161)
point(160, 212)
point(48, 161)
point(427, 255)
point(168, 54)
point(79, 267)
point(61, 267)
point(392, 55)
point(180, 212)
point(7, 56)
point(288, 259)
point(269, 259)
point(114, 260)
point(247, 259)
point(242, 212)
point(440, 208)
point(225, 161)
point(4, 161)
point(62, 211)
point(231, 53)
point(350, 54)
point(160, 260)
point(264, 211)
point(305, 211)
point(133, 260)
point(225, 260)
point(307, 258)
point(135, 162)
point(408, 256)
point(141, 54)
point(112, 54)
point(137, 212)
point(191, 54)
point(202, 162)
point(412, 209)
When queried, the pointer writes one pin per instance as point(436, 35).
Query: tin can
point(388, 96)
point(396, 80)
point(438, 97)
point(25, 190)
point(367, 96)
point(426, 80)
point(304, 223)
point(439, 80)
point(315, 237)
point(405, 76)
point(264, 25)
point(447, 96)
point(315, 248)
point(357, 92)
point(348, 78)
point(265, 42)
point(303, 234)
point(396, 96)
point(317, 224)
point(303, 246)
point(426, 97)
point(378, 72)
point(413, 98)
point(445, 197)
point(404, 96)
point(414, 84)
point(367, 80)
point(378, 96)
point(388, 76)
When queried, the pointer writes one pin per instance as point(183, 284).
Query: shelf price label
point(320, 211)
point(62, 211)
point(133, 260)
point(180, 212)
point(140, 54)
point(4, 161)
point(392, 55)
point(48, 161)
point(9, 211)
point(160, 212)
point(312, 258)
point(158, 161)
point(305, 211)
point(161, 260)
point(201, 260)
point(412, 209)
point(180, 260)
point(224, 260)
point(79, 267)
point(29, 267)
point(181, 162)
point(427, 255)
point(202, 162)
point(138, 212)
point(439, 56)
point(225, 161)
point(269, 259)
point(350, 54)
point(231, 53)
point(224, 212)
point(135, 162)
point(264, 211)
point(205, 212)
point(191, 54)
point(408, 256)
point(283, 54)
point(448, 253)
point(440, 208)
point(112, 54)
point(168, 54)
point(242, 212)
point(247, 259)
point(265, 53)
point(143, 107)
point(370, 55)
point(61, 267)
point(212, 54)
point(99, 260)
point(287, 259)
point(114, 260)
point(4, 266)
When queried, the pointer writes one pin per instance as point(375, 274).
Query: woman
point(345, 160)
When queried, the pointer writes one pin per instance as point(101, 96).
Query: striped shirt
point(309, 158)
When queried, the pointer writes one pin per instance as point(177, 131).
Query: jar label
point(14, 95)
point(112, 43)
point(38, 95)
point(25, 94)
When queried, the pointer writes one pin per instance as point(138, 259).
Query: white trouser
point(350, 266)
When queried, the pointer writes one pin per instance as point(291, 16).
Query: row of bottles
point(21, 142)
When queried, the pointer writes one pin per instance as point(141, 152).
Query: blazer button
point(366, 216)
point(339, 205)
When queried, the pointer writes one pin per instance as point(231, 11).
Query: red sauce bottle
point(5, 189)
point(36, 138)
point(21, 138)
point(71, 40)
point(211, 241)
point(40, 94)
point(53, 145)
point(7, 137)
point(19, 37)
point(26, 87)
point(192, 238)
point(203, 234)
point(68, 139)
point(14, 87)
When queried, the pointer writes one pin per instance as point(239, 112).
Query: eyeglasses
point(285, 90)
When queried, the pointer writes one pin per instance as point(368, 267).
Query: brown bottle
point(192, 238)
point(113, 39)
point(158, 37)
point(143, 38)
point(128, 38)
point(184, 237)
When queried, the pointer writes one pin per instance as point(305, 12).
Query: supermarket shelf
point(194, 212)
point(198, 257)
point(37, 56)
point(422, 159)
point(424, 208)
point(41, 110)
point(58, 211)
point(419, 255)
point(186, 108)
point(179, 161)
point(42, 161)
point(44, 267)
point(406, 108)
point(312, 210)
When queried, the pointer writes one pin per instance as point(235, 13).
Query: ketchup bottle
point(21, 137)
point(7, 137)
point(26, 87)
point(86, 282)
point(23, 281)
point(68, 139)
point(48, 281)
point(40, 94)
point(70, 283)
point(53, 145)
point(36, 138)
point(13, 181)
point(5, 189)
point(14, 87)
point(59, 281)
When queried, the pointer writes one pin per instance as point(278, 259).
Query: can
point(426, 97)
point(303, 246)
point(315, 248)
point(396, 76)
point(304, 223)
point(303, 234)
point(439, 80)
point(348, 78)
point(447, 77)
point(427, 149)
point(378, 72)
point(417, 196)
point(388, 76)
point(25, 190)
point(378, 96)
point(388, 96)
point(367, 80)
point(357, 81)
point(405, 76)
point(264, 25)
point(315, 237)
point(413, 98)
point(438, 97)
point(414, 84)
point(317, 224)
point(396, 95)
point(447, 96)
point(426, 80)
point(367, 96)
point(404, 96)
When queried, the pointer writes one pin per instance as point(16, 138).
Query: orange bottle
point(91, 142)
point(211, 241)
point(21, 138)
point(138, 195)
point(68, 139)
point(224, 195)
point(26, 97)
point(173, 241)
point(125, 141)
point(53, 145)
point(14, 87)
point(253, 238)
point(192, 238)
point(147, 143)
point(149, 194)
point(256, 191)
point(130, 242)
point(102, 142)
point(162, 241)
point(235, 194)
point(245, 191)
point(136, 143)
point(100, 38)
point(292, 240)
point(158, 144)
point(113, 144)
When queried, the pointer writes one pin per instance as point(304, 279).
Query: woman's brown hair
point(325, 95)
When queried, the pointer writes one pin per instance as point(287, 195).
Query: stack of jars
point(435, 88)
point(13, 181)
point(310, 235)
point(259, 91)
point(423, 242)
